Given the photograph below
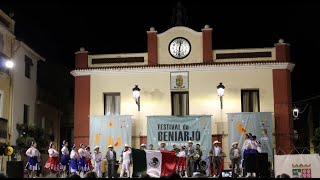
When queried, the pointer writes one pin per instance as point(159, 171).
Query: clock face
point(179, 48)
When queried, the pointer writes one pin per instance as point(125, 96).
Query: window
point(180, 103)
point(1, 103)
point(26, 114)
point(3, 128)
point(27, 68)
point(250, 101)
point(111, 104)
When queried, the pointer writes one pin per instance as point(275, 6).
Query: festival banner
point(256, 123)
point(179, 130)
point(110, 130)
point(298, 165)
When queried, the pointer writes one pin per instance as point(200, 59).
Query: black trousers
point(197, 165)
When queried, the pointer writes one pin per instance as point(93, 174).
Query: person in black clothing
point(197, 158)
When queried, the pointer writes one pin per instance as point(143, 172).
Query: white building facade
point(24, 76)
point(104, 82)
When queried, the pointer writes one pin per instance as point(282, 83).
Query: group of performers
point(77, 161)
point(188, 159)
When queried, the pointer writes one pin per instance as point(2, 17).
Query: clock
point(179, 48)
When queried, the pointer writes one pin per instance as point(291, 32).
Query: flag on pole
point(153, 162)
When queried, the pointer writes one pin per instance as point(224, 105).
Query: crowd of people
point(188, 161)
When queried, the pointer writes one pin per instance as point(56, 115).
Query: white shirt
point(97, 156)
point(245, 144)
point(64, 151)
point(236, 153)
point(32, 152)
point(126, 155)
point(73, 154)
point(181, 154)
point(82, 152)
point(53, 153)
point(253, 144)
point(216, 151)
point(111, 154)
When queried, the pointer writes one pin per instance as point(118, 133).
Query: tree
point(316, 140)
point(29, 133)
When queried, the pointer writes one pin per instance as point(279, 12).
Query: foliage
point(28, 133)
point(316, 140)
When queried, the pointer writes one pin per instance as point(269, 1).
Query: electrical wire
point(304, 100)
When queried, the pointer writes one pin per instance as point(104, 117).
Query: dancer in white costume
point(126, 160)
point(33, 163)
point(65, 158)
point(97, 157)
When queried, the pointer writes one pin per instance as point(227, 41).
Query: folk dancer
point(143, 147)
point(235, 157)
point(111, 157)
point(33, 163)
point(88, 159)
point(82, 163)
point(151, 147)
point(73, 160)
point(250, 161)
point(197, 157)
point(162, 147)
point(53, 161)
point(245, 152)
point(216, 155)
point(190, 152)
point(65, 158)
point(181, 165)
point(97, 157)
point(175, 149)
point(126, 161)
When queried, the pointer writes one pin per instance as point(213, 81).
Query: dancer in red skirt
point(88, 159)
point(53, 162)
point(182, 164)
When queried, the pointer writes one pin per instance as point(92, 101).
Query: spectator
point(174, 175)
point(145, 175)
point(90, 174)
point(74, 176)
point(283, 175)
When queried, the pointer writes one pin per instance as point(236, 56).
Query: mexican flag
point(153, 162)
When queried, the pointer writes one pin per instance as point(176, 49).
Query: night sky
point(57, 29)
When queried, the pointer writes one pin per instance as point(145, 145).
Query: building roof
point(216, 66)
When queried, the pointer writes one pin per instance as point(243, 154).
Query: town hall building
point(178, 76)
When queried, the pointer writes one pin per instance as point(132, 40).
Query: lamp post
point(220, 89)
point(136, 95)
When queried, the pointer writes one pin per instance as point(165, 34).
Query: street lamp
point(220, 89)
point(9, 64)
point(295, 113)
point(136, 95)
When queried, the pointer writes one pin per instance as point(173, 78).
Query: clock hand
point(179, 51)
